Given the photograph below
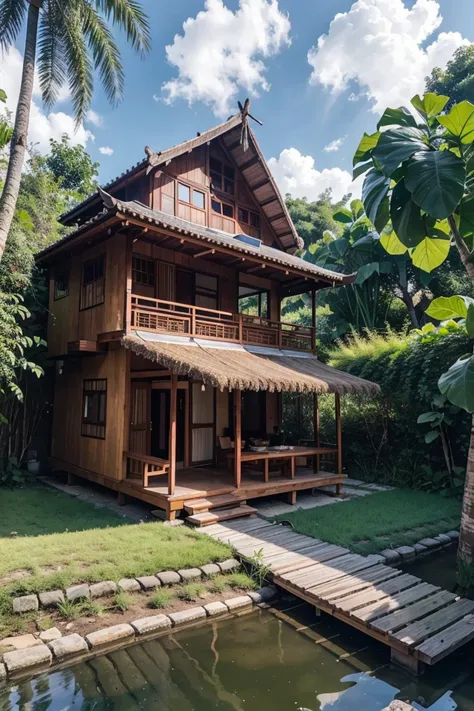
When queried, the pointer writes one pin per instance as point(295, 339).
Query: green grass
point(191, 592)
point(381, 520)
point(39, 510)
point(160, 599)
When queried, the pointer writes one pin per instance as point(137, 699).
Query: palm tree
point(73, 39)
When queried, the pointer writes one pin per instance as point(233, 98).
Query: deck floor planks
point(415, 618)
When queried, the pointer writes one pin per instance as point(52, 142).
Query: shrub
point(160, 599)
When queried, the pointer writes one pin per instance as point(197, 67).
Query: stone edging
point(393, 556)
point(83, 591)
point(64, 651)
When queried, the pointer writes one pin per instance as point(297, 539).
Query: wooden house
point(160, 376)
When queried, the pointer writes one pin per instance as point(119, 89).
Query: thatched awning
point(227, 365)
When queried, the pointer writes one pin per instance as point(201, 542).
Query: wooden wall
point(102, 456)
point(66, 321)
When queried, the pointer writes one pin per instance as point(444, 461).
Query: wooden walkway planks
point(419, 621)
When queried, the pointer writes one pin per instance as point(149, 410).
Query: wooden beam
point(249, 163)
point(317, 458)
point(280, 216)
point(203, 253)
point(156, 373)
point(338, 433)
point(234, 145)
point(269, 201)
point(237, 438)
point(255, 269)
point(172, 434)
point(259, 185)
point(110, 336)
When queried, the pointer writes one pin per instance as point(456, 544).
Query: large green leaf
point(470, 321)
point(374, 190)
point(460, 121)
point(357, 208)
point(366, 272)
point(343, 215)
point(397, 117)
point(396, 145)
point(365, 147)
point(458, 383)
point(362, 168)
point(430, 253)
point(407, 220)
point(392, 244)
point(436, 181)
point(444, 307)
point(430, 105)
point(466, 215)
point(383, 215)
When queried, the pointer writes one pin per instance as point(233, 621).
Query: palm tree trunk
point(20, 131)
point(408, 301)
point(466, 540)
point(467, 257)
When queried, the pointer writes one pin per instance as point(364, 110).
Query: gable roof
point(241, 143)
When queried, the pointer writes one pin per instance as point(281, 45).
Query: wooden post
point(338, 433)
point(237, 438)
point(172, 434)
point(128, 278)
point(313, 320)
point(317, 442)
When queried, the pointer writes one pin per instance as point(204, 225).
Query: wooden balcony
point(161, 316)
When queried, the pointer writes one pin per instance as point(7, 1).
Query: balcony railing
point(161, 316)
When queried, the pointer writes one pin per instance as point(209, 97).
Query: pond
point(287, 661)
point(438, 568)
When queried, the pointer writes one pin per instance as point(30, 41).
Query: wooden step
point(211, 502)
point(205, 518)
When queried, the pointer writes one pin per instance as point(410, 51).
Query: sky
point(318, 72)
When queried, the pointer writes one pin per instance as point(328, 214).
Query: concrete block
point(190, 573)
point(406, 552)
point(210, 569)
point(103, 589)
point(391, 556)
point(3, 673)
point(169, 577)
point(228, 565)
point(129, 585)
point(377, 558)
point(52, 598)
point(215, 608)
point(151, 624)
point(109, 635)
point(264, 594)
point(25, 603)
point(443, 539)
point(69, 646)
point(78, 592)
point(236, 603)
point(419, 549)
point(185, 616)
point(430, 543)
point(22, 641)
point(148, 582)
point(24, 660)
point(50, 635)
point(454, 535)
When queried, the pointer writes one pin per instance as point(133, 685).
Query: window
point(249, 218)
point(222, 208)
point(143, 271)
point(94, 406)
point(198, 199)
point(60, 286)
point(206, 291)
point(222, 176)
point(253, 302)
point(93, 283)
point(191, 196)
point(184, 193)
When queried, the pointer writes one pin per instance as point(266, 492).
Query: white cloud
point(221, 52)
point(42, 126)
point(381, 45)
point(335, 145)
point(106, 150)
point(296, 174)
point(95, 118)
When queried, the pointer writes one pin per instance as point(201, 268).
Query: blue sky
point(375, 54)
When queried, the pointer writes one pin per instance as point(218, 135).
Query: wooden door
point(165, 281)
point(140, 418)
point(202, 424)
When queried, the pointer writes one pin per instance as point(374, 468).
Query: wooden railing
point(147, 314)
point(144, 466)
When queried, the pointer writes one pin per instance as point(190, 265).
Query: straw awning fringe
point(237, 369)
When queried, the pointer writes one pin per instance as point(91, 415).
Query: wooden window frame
point(192, 190)
point(250, 214)
point(100, 258)
point(152, 273)
point(222, 176)
point(64, 292)
point(203, 291)
point(223, 202)
point(96, 428)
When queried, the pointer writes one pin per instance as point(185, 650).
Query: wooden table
point(290, 454)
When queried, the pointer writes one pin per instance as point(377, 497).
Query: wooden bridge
point(421, 623)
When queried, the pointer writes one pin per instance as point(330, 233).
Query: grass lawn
point(382, 520)
point(62, 541)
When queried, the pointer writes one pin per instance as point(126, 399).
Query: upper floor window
point(222, 208)
point(94, 406)
point(191, 196)
point(61, 282)
point(143, 271)
point(222, 176)
point(93, 283)
point(249, 218)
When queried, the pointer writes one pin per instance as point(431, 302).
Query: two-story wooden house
point(162, 382)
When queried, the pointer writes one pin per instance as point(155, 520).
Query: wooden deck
point(419, 622)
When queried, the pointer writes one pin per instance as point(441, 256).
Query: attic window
point(222, 176)
point(249, 218)
point(222, 208)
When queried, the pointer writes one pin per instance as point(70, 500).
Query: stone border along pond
point(393, 556)
point(83, 591)
point(64, 651)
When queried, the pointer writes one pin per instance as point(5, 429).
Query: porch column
point(317, 443)
point(237, 438)
point(313, 319)
point(172, 434)
point(338, 433)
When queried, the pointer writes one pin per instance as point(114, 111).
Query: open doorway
point(160, 424)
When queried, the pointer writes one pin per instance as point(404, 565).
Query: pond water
point(288, 661)
point(438, 568)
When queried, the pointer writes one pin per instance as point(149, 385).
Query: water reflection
point(252, 663)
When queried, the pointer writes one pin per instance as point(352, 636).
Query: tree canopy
point(457, 80)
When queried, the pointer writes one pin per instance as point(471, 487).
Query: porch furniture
point(145, 466)
point(287, 454)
